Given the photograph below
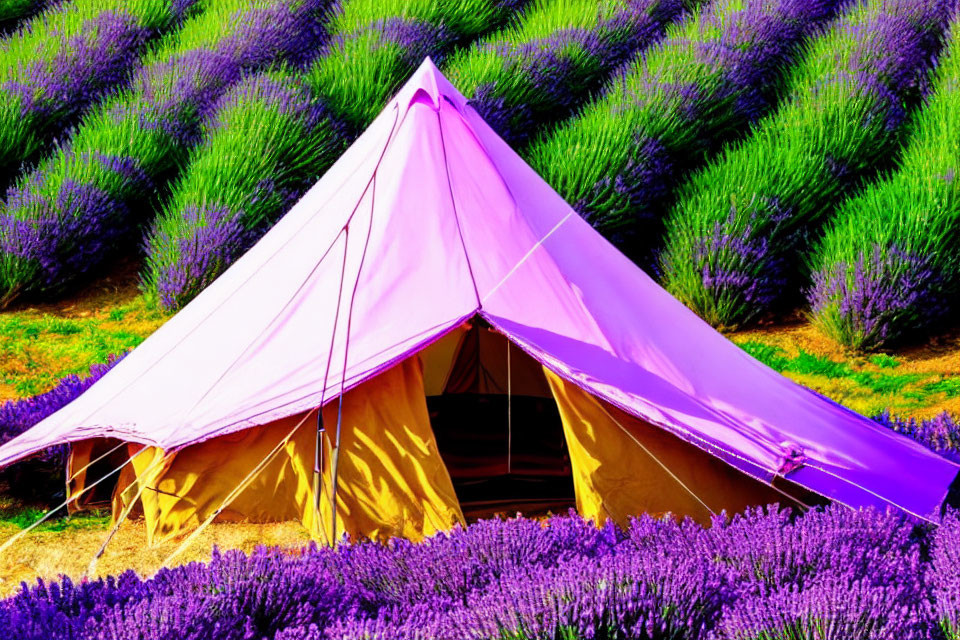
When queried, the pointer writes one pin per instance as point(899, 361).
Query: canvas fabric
point(392, 481)
point(613, 456)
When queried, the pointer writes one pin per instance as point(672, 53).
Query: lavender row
point(66, 60)
point(837, 573)
point(539, 71)
point(68, 216)
point(269, 140)
point(887, 268)
point(618, 162)
point(735, 236)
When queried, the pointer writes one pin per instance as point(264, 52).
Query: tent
point(431, 261)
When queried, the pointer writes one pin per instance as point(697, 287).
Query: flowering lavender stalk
point(287, 138)
point(265, 143)
point(887, 268)
point(734, 236)
point(649, 593)
point(66, 60)
point(714, 75)
point(838, 573)
point(541, 70)
point(835, 608)
point(944, 575)
point(940, 433)
point(62, 221)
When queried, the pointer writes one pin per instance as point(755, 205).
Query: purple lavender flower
point(833, 608)
point(944, 575)
point(878, 297)
point(677, 105)
point(940, 434)
point(275, 119)
point(16, 416)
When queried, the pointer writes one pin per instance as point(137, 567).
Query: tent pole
point(334, 467)
point(318, 467)
point(509, 414)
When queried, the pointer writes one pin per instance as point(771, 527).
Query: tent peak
point(429, 85)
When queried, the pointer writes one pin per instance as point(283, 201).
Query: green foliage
point(885, 361)
point(362, 70)
point(23, 518)
point(39, 349)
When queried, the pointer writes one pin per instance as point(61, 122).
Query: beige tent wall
point(615, 477)
point(391, 480)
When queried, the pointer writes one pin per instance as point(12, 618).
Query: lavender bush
point(887, 268)
point(378, 43)
point(542, 69)
point(734, 237)
point(266, 142)
point(67, 59)
point(41, 477)
point(563, 578)
point(717, 73)
point(65, 218)
point(269, 140)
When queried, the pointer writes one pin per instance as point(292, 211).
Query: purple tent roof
point(438, 220)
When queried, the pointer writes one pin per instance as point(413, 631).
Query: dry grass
point(49, 554)
point(932, 362)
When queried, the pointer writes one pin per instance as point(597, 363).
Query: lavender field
point(827, 575)
point(763, 160)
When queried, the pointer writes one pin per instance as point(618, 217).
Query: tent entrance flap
point(624, 466)
point(497, 426)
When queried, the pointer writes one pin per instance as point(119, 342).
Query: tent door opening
point(497, 425)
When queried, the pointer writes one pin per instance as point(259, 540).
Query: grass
point(47, 342)
point(67, 546)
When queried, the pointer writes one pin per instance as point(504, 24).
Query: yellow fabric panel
point(614, 478)
point(81, 453)
point(391, 479)
point(184, 489)
point(438, 360)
